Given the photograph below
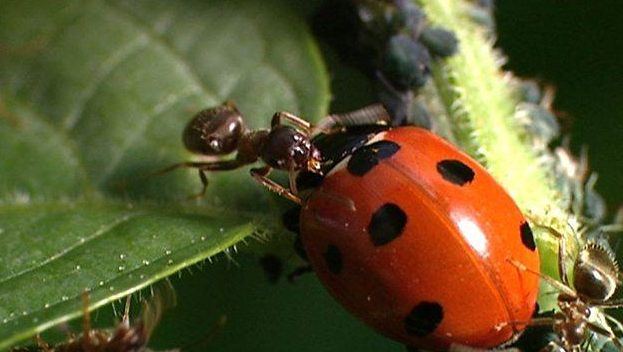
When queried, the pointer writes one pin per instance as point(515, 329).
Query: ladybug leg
point(299, 248)
point(272, 267)
point(260, 175)
point(300, 271)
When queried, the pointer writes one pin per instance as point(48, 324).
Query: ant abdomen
point(214, 131)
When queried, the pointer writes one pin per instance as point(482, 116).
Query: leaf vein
point(155, 37)
point(100, 232)
point(106, 68)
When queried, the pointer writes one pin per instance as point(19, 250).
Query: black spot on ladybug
point(455, 171)
point(333, 258)
point(387, 224)
point(424, 318)
point(367, 157)
point(527, 238)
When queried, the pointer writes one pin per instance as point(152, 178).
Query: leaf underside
point(94, 93)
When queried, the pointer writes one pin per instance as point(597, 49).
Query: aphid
point(221, 131)
point(595, 278)
point(123, 338)
point(406, 63)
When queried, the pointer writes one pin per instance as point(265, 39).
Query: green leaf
point(94, 93)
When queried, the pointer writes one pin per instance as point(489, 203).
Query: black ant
point(595, 278)
point(124, 337)
point(221, 130)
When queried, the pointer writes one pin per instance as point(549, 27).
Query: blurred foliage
point(576, 47)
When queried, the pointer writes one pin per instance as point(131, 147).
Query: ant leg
point(544, 321)
point(295, 120)
point(204, 186)
point(261, 176)
point(369, 115)
point(605, 332)
point(42, 344)
point(615, 303)
point(292, 181)
point(562, 287)
point(86, 320)
point(125, 319)
point(562, 251)
point(223, 165)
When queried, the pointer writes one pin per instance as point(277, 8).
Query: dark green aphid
point(439, 42)
point(542, 123)
point(406, 63)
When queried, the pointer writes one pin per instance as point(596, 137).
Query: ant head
point(215, 131)
point(595, 272)
point(288, 149)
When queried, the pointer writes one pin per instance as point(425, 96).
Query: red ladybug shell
point(413, 237)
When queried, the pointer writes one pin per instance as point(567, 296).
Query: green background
point(576, 46)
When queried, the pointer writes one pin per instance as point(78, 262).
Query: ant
point(221, 130)
point(124, 337)
point(595, 278)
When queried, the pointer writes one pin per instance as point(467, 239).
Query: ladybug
point(408, 233)
point(414, 238)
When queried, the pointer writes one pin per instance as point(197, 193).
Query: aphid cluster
point(392, 42)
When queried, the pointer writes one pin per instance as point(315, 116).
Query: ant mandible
point(595, 278)
point(221, 130)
